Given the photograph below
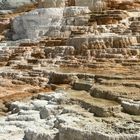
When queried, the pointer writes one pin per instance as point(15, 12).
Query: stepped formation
point(70, 70)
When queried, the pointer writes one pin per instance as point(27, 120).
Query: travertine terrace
point(69, 70)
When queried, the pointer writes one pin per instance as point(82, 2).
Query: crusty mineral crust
point(69, 70)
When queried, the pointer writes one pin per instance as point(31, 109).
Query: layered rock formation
point(49, 22)
point(69, 70)
point(8, 4)
point(51, 3)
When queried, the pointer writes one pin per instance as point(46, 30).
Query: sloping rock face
point(36, 20)
point(51, 3)
point(8, 4)
point(48, 21)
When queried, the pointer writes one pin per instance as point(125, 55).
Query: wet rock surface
point(69, 70)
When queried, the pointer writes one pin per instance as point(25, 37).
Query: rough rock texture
point(94, 5)
point(64, 121)
point(47, 22)
point(73, 71)
point(8, 4)
point(51, 3)
point(131, 107)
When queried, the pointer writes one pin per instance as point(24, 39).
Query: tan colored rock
point(51, 3)
point(94, 5)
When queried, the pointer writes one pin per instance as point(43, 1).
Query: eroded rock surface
point(65, 120)
point(8, 4)
point(69, 70)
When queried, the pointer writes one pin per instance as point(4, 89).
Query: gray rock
point(17, 106)
point(51, 3)
point(82, 86)
point(41, 134)
point(49, 22)
point(36, 23)
point(70, 128)
point(4, 12)
point(39, 104)
point(31, 117)
point(13, 4)
point(57, 97)
point(49, 110)
point(131, 107)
